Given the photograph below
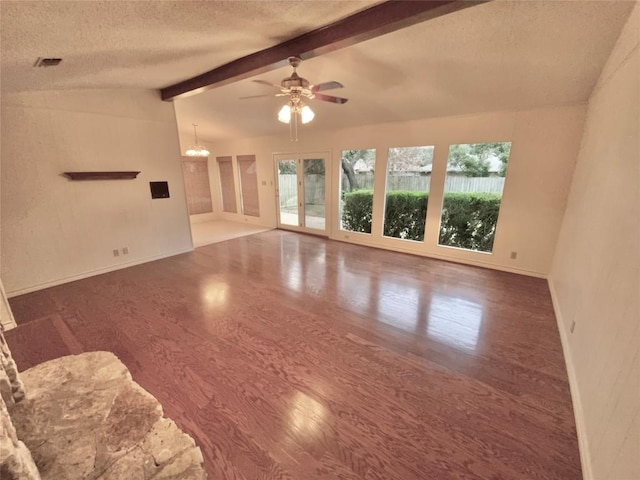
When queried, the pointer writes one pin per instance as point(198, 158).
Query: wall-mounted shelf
point(101, 175)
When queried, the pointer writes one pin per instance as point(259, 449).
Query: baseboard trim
point(578, 411)
point(492, 266)
point(244, 219)
point(203, 218)
point(93, 273)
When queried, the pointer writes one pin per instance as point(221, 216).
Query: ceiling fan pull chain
point(291, 128)
point(295, 126)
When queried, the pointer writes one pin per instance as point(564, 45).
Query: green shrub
point(356, 211)
point(405, 214)
point(468, 219)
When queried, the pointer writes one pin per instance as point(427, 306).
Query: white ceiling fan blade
point(264, 82)
point(330, 98)
point(326, 86)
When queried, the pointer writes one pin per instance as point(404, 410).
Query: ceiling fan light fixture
point(196, 150)
point(306, 114)
point(295, 87)
point(284, 115)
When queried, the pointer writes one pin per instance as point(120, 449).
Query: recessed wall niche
point(159, 189)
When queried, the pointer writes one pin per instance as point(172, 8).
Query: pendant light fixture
point(197, 150)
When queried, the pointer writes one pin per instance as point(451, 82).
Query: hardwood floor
point(288, 356)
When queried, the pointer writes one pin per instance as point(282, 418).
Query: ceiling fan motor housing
point(295, 81)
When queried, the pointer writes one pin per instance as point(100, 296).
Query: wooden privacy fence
point(287, 188)
point(474, 184)
point(420, 183)
point(314, 185)
point(313, 188)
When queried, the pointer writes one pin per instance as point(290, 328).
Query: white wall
point(6, 315)
point(544, 149)
point(595, 277)
point(186, 139)
point(55, 230)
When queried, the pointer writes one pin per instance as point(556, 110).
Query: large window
point(356, 190)
point(407, 192)
point(472, 194)
point(227, 185)
point(248, 171)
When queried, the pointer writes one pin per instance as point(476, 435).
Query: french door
point(302, 192)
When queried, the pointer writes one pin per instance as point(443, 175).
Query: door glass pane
point(314, 202)
point(472, 195)
point(407, 192)
point(356, 189)
point(288, 192)
point(227, 185)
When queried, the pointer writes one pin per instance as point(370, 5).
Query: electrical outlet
point(264, 183)
point(116, 253)
point(573, 326)
point(125, 250)
point(514, 255)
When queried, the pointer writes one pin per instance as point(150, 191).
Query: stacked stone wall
point(82, 417)
point(16, 462)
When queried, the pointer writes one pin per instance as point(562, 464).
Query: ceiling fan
point(297, 88)
point(295, 85)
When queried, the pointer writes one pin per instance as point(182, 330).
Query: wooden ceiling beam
point(375, 21)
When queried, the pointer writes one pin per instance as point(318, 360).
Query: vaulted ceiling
point(495, 56)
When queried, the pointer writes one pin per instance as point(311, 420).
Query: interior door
point(302, 192)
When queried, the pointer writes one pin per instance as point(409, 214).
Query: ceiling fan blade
point(330, 98)
point(326, 86)
point(264, 82)
point(256, 96)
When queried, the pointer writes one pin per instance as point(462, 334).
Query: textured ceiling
point(149, 44)
point(497, 56)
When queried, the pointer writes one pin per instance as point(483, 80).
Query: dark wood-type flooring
point(288, 356)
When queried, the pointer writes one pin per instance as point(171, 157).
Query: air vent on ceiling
point(47, 62)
